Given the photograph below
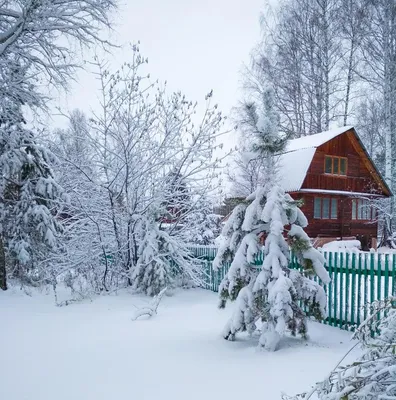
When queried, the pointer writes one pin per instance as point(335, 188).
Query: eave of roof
point(340, 192)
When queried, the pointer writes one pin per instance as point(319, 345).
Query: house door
point(344, 216)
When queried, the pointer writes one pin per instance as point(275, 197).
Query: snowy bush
point(373, 375)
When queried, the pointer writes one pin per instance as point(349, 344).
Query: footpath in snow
point(93, 351)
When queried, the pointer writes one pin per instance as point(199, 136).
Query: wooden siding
point(358, 179)
point(342, 227)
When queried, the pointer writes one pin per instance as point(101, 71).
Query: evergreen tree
point(207, 229)
point(29, 195)
point(273, 293)
point(164, 261)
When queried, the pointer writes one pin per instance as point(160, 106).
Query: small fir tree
point(273, 293)
point(164, 261)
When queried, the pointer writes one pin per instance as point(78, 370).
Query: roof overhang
point(340, 193)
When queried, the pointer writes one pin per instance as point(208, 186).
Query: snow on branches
point(152, 169)
point(373, 374)
point(270, 294)
point(33, 55)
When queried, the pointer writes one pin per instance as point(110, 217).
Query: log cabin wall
point(334, 181)
point(342, 227)
point(358, 178)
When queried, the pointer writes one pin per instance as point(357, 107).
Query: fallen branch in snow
point(150, 309)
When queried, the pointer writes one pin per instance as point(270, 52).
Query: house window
point(325, 208)
point(362, 210)
point(336, 165)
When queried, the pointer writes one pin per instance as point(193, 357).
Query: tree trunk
point(3, 271)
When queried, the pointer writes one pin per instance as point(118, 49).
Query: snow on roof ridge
point(316, 140)
point(295, 161)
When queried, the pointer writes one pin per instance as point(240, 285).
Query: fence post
point(353, 277)
point(359, 284)
point(330, 287)
point(386, 277)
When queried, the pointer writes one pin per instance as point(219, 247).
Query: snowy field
point(93, 351)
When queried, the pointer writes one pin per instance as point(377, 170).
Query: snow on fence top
point(294, 163)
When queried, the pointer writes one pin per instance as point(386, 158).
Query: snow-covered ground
point(93, 351)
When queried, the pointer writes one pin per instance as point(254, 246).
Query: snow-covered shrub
point(270, 294)
point(373, 375)
point(163, 261)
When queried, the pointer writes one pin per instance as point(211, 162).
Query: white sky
point(196, 45)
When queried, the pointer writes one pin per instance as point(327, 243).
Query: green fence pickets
point(330, 294)
point(356, 281)
point(341, 292)
point(372, 274)
point(359, 286)
point(353, 290)
point(336, 291)
point(347, 289)
point(386, 277)
point(366, 287)
point(379, 279)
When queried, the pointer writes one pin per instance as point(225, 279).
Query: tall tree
point(32, 53)
point(29, 198)
point(379, 70)
point(271, 294)
point(301, 54)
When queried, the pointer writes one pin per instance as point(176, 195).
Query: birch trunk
point(3, 271)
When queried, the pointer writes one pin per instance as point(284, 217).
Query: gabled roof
point(297, 158)
point(316, 140)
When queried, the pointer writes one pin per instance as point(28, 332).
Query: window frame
point(362, 210)
point(331, 202)
point(338, 162)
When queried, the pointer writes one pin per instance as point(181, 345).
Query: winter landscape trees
point(31, 55)
point(331, 62)
point(139, 173)
point(114, 201)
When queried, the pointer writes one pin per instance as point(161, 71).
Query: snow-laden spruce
point(29, 200)
point(163, 261)
point(273, 293)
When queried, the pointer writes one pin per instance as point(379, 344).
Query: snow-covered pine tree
point(29, 195)
point(207, 229)
point(273, 293)
point(203, 225)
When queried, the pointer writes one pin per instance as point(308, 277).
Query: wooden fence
point(357, 280)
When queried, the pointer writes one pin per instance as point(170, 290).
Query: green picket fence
point(357, 280)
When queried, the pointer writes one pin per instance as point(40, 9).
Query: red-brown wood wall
point(358, 179)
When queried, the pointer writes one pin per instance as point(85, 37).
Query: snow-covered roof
point(294, 163)
point(314, 141)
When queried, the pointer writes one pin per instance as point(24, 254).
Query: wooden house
point(336, 179)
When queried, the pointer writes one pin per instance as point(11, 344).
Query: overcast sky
point(196, 45)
